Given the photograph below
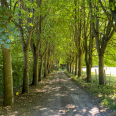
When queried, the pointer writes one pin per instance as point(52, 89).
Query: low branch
point(106, 42)
point(18, 25)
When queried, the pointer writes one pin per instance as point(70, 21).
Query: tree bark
point(8, 80)
point(48, 66)
point(76, 36)
point(52, 66)
point(70, 67)
point(58, 64)
point(76, 66)
point(101, 69)
point(67, 67)
point(40, 70)
point(88, 72)
point(35, 70)
point(88, 55)
point(25, 88)
point(45, 66)
point(80, 65)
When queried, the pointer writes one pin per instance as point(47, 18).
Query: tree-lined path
point(40, 36)
point(65, 98)
point(60, 96)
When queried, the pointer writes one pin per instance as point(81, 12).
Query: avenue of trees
point(54, 32)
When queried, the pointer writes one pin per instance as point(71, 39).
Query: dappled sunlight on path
point(56, 96)
point(64, 98)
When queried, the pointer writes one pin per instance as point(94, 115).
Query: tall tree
point(25, 25)
point(88, 54)
point(76, 36)
point(45, 63)
point(42, 54)
point(36, 46)
point(88, 40)
point(101, 41)
point(7, 63)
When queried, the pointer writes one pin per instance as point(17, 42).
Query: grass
point(106, 95)
point(110, 79)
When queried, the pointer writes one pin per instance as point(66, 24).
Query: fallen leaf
point(66, 110)
point(17, 93)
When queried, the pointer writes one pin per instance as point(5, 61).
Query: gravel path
point(64, 98)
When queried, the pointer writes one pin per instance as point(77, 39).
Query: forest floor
point(57, 95)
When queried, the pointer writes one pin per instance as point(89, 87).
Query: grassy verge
point(105, 94)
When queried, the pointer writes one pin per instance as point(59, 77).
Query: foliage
point(7, 29)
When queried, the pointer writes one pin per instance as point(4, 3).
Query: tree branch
point(41, 19)
point(107, 14)
point(106, 42)
point(93, 28)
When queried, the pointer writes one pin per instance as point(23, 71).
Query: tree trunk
point(52, 67)
point(35, 70)
point(40, 70)
point(25, 88)
point(88, 69)
point(70, 67)
point(76, 66)
point(8, 80)
point(58, 65)
point(25, 46)
point(80, 66)
point(45, 66)
point(67, 67)
point(88, 53)
point(101, 69)
point(48, 67)
point(88, 72)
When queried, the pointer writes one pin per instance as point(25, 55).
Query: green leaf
point(7, 46)
point(7, 34)
point(3, 37)
point(6, 17)
point(8, 25)
point(8, 41)
point(1, 42)
point(2, 29)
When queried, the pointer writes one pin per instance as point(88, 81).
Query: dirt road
point(58, 96)
point(64, 98)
